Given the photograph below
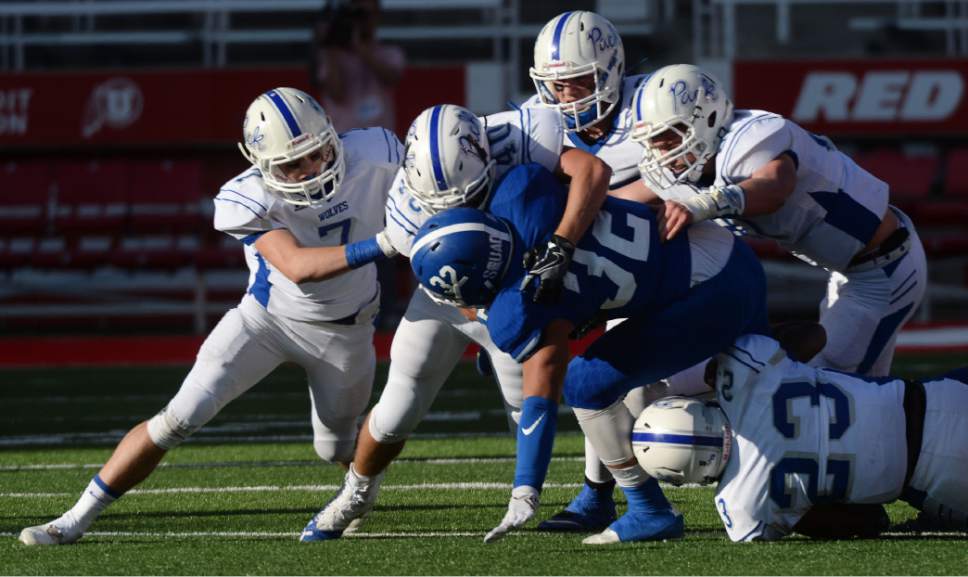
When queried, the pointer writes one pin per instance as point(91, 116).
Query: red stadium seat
point(956, 180)
point(221, 252)
point(92, 196)
point(910, 177)
point(166, 196)
point(155, 252)
point(25, 189)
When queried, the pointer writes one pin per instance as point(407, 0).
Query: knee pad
point(168, 431)
point(335, 451)
point(386, 434)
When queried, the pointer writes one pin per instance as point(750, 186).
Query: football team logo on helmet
point(283, 126)
point(461, 256)
point(448, 161)
point(691, 111)
point(573, 45)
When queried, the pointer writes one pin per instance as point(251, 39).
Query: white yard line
point(266, 464)
point(301, 488)
point(306, 488)
point(364, 534)
point(273, 534)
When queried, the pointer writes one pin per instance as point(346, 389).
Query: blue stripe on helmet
point(557, 37)
point(639, 437)
point(277, 99)
point(640, 94)
point(434, 149)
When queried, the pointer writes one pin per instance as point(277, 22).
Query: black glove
point(550, 267)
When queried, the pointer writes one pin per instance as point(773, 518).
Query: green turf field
point(233, 500)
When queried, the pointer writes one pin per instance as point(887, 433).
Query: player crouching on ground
point(813, 451)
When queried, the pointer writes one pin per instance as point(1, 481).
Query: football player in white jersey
point(761, 174)
point(579, 70)
point(453, 159)
point(309, 191)
point(815, 451)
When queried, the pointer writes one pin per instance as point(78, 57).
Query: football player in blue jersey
point(813, 451)
point(684, 300)
point(580, 72)
point(452, 159)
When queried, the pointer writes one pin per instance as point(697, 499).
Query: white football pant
point(248, 343)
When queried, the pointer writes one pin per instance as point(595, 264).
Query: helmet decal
point(439, 177)
point(285, 112)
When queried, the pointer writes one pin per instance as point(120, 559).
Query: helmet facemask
point(684, 101)
point(312, 190)
point(656, 166)
point(584, 112)
point(578, 44)
point(283, 130)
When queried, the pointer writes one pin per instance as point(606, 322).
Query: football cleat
point(590, 511)
point(47, 534)
point(352, 502)
point(641, 526)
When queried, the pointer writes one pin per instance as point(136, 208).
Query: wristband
point(363, 252)
point(717, 201)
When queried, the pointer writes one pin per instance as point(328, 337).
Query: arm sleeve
point(242, 209)
point(756, 144)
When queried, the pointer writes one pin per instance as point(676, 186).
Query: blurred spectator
point(353, 73)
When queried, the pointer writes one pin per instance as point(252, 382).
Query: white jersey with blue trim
point(798, 440)
point(246, 210)
point(515, 137)
point(836, 206)
point(616, 149)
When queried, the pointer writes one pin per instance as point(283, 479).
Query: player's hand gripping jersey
point(798, 439)
point(245, 210)
point(619, 268)
point(515, 137)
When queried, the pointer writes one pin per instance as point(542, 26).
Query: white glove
point(383, 240)
point(716, 201)
point(523, 506)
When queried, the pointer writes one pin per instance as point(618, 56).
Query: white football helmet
point(682, 440)
point(576, 44)
point(448, 159)
point(691, 103)
point(283, 125)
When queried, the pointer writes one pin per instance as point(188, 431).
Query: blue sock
point(646, 498)
point(536, 437)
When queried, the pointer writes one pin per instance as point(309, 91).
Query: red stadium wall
point(169, 108)
point(860, 97)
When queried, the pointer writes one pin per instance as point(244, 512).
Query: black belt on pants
point(915, 404)
point(892, 242)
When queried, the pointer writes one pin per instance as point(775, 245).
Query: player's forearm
point(768, 189)
point(308, 264)
point(586, 193)
point(636, 191)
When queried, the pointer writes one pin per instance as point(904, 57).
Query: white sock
point(594, 469)
point(630, 476)
point(95, 498)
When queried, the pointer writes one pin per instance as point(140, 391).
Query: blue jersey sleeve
point(532, 200)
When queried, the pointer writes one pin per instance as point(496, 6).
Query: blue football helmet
point(461, 255)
